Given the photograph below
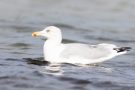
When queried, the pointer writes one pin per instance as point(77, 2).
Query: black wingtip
point(122, 49)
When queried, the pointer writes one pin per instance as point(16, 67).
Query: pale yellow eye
point(48, 31)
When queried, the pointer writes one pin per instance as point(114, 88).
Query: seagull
point(75, 53)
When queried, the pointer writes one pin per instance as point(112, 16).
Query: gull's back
point(84, 51)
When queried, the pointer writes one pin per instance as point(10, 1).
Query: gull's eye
point(48, 30)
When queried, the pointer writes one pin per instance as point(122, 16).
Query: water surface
point(86, 21)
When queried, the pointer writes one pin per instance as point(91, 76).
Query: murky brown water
point(87, 21)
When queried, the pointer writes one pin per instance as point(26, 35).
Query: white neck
point(52, 48)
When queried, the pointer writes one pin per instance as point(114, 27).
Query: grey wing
point(84, 51)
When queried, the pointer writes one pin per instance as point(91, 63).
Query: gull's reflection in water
point(61, 69)
point(52, 69)
point(46, 67)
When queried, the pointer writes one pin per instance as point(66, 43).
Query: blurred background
point(86, 21)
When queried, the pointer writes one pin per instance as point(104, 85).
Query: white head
point(50, 32)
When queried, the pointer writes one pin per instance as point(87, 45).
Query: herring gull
point(57, 52)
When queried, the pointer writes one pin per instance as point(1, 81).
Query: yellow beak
point(35, 34)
